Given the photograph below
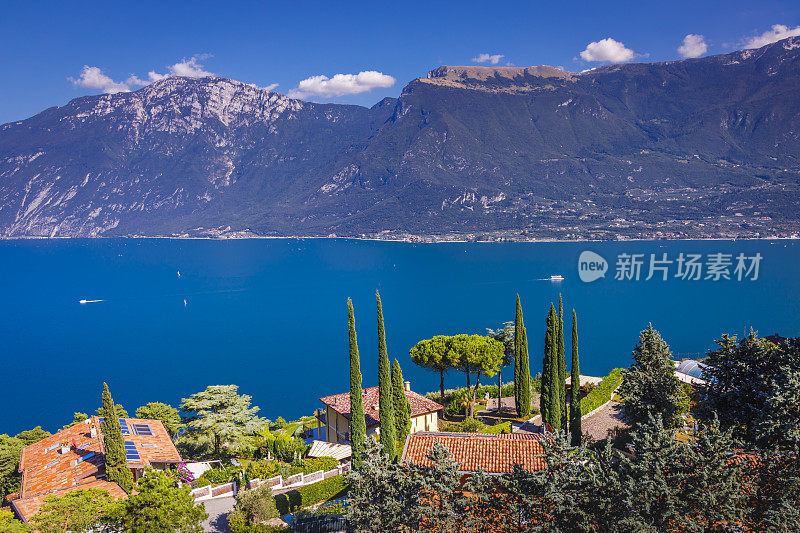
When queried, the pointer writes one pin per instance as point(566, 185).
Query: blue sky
point(44, 44)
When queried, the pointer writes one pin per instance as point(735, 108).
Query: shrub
point(262, 469)
point(280, 423)
point(309, 495)
point(216, 476)
point(284, 448)
point(256, 505)
point(472, 425)
point(504, 427)
point(602, 393)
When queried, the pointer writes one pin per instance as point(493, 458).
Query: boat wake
point(90, 301)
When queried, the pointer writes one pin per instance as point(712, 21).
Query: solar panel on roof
point(131, 453)
point(123, 425)
point(142, 429)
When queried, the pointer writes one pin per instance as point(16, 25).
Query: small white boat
point(89, 301)
point(556, 277)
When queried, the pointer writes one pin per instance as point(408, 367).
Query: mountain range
point(690, 148)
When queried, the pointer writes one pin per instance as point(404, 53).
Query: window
point(142, 429)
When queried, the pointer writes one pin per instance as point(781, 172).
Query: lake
point(271, 315)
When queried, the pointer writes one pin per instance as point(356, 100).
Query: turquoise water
point(270, 315)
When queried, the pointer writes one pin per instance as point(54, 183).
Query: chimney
point(64, 448)
point(93, 432)
point(407, 386)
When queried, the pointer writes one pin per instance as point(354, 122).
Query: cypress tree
point(575, 378)
point(358, 425)
point(117, 470)
point(544, 396)
point(562, 365)
point(522, 367)
point(402, 409)
point(554, 371)
point(385, 401)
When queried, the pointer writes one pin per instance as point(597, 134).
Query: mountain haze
point(697, 147)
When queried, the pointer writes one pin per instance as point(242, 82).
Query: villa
point(74, 458)
point(336, 418)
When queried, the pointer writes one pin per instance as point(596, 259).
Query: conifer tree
point(385, 401)
point(522, 367)
point(402, 409)
point(562, 365)
point(554, 371)
point(117, 470)
point(650, 386)
point(544, 396)
point(358, 425)
point(575, 383)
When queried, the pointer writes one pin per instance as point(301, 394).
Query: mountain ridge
point(632, 150)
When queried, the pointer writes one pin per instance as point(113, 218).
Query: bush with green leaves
point(9, 524)
point(218, 476)
point(322, 491)
point(257, 505)
point(603, 392)
point(285, 448)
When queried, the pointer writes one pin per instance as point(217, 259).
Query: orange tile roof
point(341, 404)
point(27, 508)
point(46, 469)
point(494, 454)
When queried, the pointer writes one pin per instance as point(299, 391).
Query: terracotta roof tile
point(45, 468)
point(27, 508)
point(341, 404)
point(494, 454)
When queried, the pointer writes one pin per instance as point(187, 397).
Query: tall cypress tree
point(554, 371)
point(385, 401)
point(117, 470)
point(575, 393)
point(358, 425)
point(402, 409)
point(544, 396)
point(562, 365)
point(522, 367)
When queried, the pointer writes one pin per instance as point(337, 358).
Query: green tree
point(10, 448)
point(650, 386)
point(77, 418)
point(432, 354)
point(79, 510)
point(547, 358)
point(506, 336)
point(402, 409)
point(223, 413)
point(388, 431)
point(160, 411)
point(120, 411)
point(358, 424)
point(752, 386)
point(9, 524)
point(474, 354)
point(550, 380)
point(159, 505)
point(378, 492)
point(522, 367)
point(562, 366)
point(575, 384)
point(32, 436)
point(117, 470)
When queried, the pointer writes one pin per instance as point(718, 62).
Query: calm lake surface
point(271, 316)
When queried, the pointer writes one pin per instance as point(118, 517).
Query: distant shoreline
point(404, 241)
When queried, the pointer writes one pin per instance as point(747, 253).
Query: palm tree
point(506, 336)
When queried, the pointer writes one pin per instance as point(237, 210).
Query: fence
point(209, 491)
point(280, 485)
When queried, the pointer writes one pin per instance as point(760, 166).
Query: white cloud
point(93, 78)
point(778, 32)
point(693, 46)
point(488, 58)
point(341, 84)
point(607, 50)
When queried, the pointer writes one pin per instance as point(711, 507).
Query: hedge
point(325, 490)
point(602, 393)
